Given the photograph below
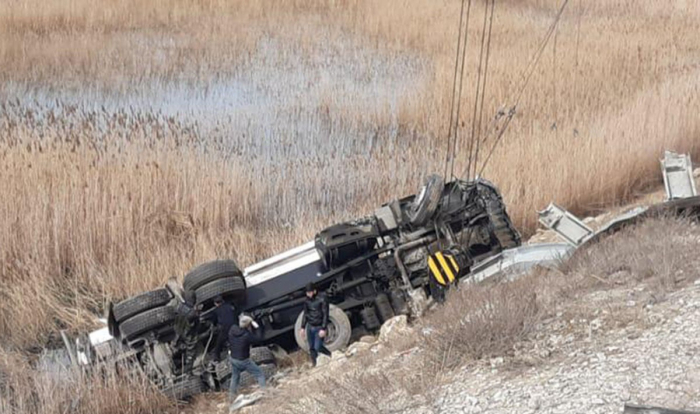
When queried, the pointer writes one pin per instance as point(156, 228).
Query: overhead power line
point(525, 80)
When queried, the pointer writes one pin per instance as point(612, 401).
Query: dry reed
point(99, 204)
point(103, 196)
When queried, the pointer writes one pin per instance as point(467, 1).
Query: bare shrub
point(395, 390)
point(479, 321)
point(25, 390)
point(475, 322)
point(661, 252)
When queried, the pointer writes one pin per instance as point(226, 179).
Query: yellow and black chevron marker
point(443, 268)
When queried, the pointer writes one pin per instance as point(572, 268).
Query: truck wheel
point(262, 355)
point(146, 321)
point(339, 330)
point(503, 229)
point(185, 388)
point(426, 202)
point(140, 303)
point(209, 272)
point(247, 379)
point(230, 287)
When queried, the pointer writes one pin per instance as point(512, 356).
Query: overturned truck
point(370, 269)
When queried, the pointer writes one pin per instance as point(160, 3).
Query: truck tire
point(426, 202)
point(262, 355)
point(230, 288)
point(146, 321)
point(140, 303)
point(209, 272)
point(503, 229)
point(339, 330)
point(223, 371)
point(247, 379)
point(185, 388)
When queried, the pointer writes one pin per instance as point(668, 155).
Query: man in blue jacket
point(240, 338)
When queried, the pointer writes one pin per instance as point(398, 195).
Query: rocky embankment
point(624, 330)
point(655, 360)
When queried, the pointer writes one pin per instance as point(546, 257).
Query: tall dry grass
point(620, 88)
point(103, 196)
point(99, 204)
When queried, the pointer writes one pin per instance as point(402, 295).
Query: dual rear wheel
point(153, 313)
point(151, 310)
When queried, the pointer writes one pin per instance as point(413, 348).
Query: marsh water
point(278, 103)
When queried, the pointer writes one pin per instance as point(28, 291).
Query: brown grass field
point(140, 138)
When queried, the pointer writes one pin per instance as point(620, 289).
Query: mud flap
point(112, 324)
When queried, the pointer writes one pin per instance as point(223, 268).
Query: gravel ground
point(657, 363)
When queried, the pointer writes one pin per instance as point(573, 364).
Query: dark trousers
point(221, 341)
point(315, 343)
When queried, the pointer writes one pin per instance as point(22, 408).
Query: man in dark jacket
point(240, 338)
point(224, 317)
point(186, 325)
point(314, 323)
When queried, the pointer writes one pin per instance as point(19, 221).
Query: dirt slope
point(580, 365)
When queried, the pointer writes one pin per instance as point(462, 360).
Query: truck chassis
point(394, 261)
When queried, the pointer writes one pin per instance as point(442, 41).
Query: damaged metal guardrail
point(566, 225)
point(678, 176)
point(514, 262)
point(681, 195)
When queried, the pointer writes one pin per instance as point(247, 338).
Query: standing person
point(315, 322)
point(186, 325)
point(223, 317)
point(240, 338)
